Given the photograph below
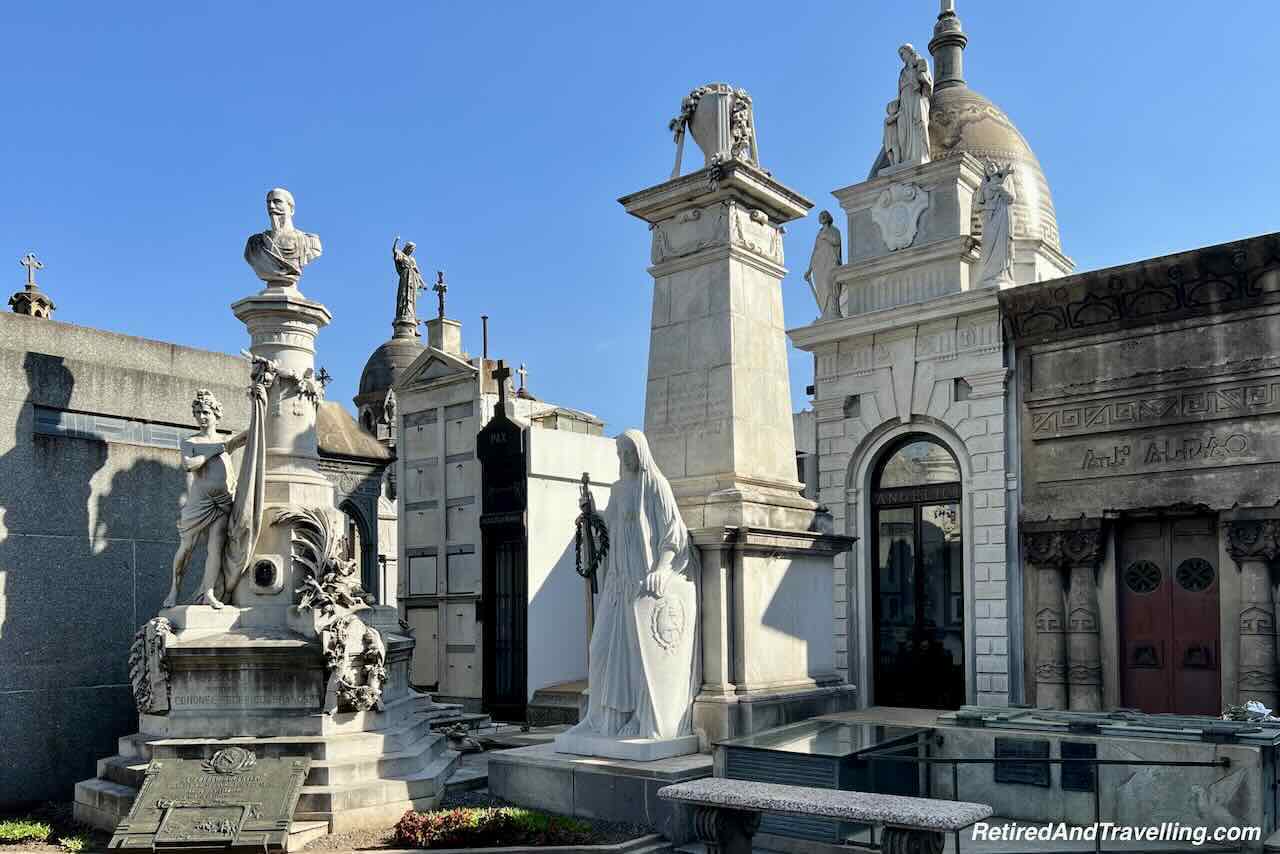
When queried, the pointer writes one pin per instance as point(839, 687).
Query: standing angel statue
point(644, 669)
point(821, 274)
point(994, 201)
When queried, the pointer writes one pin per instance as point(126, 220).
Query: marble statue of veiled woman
point(644, 669)
point(915, 88)
point(994, 200)
point(821, 274)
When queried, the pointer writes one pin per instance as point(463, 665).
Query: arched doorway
point(361, 547)
point(917, 576)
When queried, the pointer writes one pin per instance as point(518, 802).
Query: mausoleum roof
point(387, 364)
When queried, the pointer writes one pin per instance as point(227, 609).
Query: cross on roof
point(32, 263)
point(323, 377)
point(440, 287)
point(502, 374)
point(524, 374)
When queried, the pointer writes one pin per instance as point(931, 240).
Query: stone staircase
point(356, 779)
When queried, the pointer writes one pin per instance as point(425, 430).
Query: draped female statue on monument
point(410, 282)
point(907, 124)
point(644, 671)
point(821, 274)
point(226, 509)
point(994, 201)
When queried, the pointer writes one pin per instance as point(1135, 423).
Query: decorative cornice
point(1197, 283)
point(1063, 544)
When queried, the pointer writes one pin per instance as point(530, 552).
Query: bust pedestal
point(718, 420)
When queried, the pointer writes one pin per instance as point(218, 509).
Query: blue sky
point(140, 140)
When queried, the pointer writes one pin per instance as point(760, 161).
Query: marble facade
point(918, 350)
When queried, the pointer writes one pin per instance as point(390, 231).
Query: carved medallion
point(230, 760)
point(668, 623)
point(897, 213)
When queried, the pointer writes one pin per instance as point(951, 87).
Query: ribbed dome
point(387, 363)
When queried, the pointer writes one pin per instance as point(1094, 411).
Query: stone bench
point(727, 813)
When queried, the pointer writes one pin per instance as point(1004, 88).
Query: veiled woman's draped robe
point(644, 668)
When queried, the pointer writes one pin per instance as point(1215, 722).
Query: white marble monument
point(284, 652)
point(644, 647)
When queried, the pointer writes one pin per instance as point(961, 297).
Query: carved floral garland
point(331, 589)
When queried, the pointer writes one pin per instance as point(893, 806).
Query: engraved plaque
point(231, 801)
point(1026, 773)
point(1078, 776)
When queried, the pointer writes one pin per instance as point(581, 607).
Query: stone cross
point(502, 374)
point(524, 374)
point(32, 263)
point(440, 287)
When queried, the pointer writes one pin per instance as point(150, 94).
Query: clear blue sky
point(140, 140)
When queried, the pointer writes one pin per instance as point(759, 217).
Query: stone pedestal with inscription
point(291, 659)
point(718, 419)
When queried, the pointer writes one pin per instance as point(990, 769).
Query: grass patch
point(488, 827)
point(23, 830)
point(79, 842)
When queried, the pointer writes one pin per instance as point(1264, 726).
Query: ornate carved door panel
point(1168, 596)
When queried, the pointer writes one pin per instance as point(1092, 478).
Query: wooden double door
point(1167, 580)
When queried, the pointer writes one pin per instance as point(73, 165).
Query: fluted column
point(1252, 543)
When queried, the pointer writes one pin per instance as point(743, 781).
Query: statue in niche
point(411, 283)
point(906, 127)
point(644, 653)
point(821, 274)
point(278, 254)
point(994, 201)
point(210, 497)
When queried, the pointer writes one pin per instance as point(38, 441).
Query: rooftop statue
point(821, 274)
point(906, 127)
point(410, 284)
point(278, 254)
point(995, 198)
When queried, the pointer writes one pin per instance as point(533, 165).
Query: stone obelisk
point(718, 420)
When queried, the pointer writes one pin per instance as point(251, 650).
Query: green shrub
point(23, 830)
point(488, 827)
point(79, 842)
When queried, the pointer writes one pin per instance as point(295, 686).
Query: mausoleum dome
point(962, 121)
point(387, 363)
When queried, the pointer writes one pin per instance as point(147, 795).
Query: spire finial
point(31, 300)
point(947, 47)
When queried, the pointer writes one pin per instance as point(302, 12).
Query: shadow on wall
point(83, 562)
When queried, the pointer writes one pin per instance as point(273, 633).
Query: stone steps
point(426, 785)
point(337, 772)
point(349, 745)
point(473, 720)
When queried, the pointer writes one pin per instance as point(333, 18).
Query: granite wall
point(90, 485)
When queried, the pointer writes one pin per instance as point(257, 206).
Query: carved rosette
point(1068, 643)
point(1252, 544)
point(148, 668)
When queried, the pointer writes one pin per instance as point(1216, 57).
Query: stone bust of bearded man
point(278, 254)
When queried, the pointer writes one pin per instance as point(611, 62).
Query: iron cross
point(502, 374)
point(32, 263)
point(323, 378)
point(440, 287)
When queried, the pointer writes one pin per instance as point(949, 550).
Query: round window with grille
point(1195, 574)
point(1142, 576)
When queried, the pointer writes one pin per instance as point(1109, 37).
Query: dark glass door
point(918, 580)
point(505, 624)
